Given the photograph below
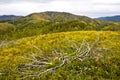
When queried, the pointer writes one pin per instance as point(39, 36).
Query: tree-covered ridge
point(57, 16)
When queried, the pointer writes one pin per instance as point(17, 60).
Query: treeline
point(10, 31)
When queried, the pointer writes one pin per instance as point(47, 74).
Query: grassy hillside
point(78, 55)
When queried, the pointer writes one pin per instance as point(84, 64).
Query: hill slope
point(18, 59)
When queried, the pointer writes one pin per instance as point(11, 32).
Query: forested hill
point(53, 17)
point(52, 22)
point(58, 19)
point(58, 16)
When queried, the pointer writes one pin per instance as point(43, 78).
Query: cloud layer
point(91, 8)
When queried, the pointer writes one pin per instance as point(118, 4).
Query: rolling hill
point(110, 18)
point(8, 17)
point(53, 17)
point(57, 16)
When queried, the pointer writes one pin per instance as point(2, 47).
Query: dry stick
point(4, 43)
point(35, 47)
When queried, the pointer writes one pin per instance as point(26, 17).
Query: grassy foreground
point(103, 61)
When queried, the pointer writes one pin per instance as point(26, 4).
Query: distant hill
point(8, 17)
point(53, 17)
point(57, 16)
point(110, 18)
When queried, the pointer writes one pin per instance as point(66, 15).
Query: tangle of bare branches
point(40, 65)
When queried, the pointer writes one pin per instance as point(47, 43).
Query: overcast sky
point(91, 8)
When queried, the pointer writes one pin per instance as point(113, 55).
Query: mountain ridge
point(8, 17)
point(51, 14)
point(110, 18)
point(56, 16)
